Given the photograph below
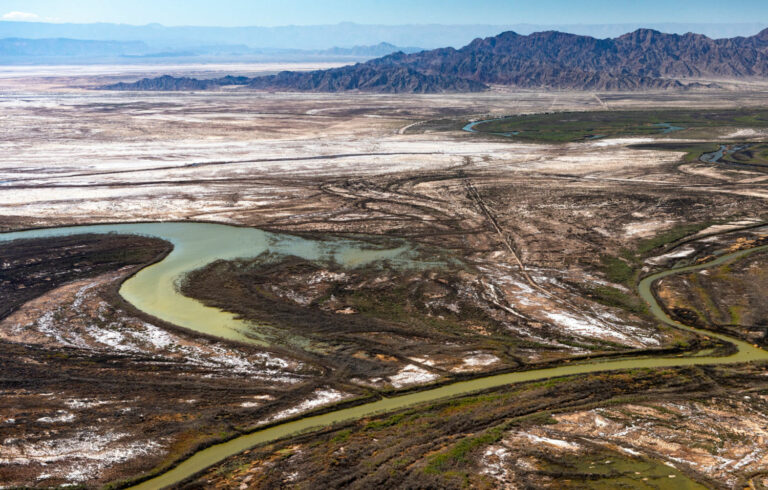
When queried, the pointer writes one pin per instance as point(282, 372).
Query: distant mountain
point(321, 37)
point(169, 83)
point(641, 60)
point(16, 47)
point(63, 50)
point(381, 49)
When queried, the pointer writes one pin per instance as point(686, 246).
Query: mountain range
point(318, 37)
point(640, 60)
point(69, 48)
point(64, 50)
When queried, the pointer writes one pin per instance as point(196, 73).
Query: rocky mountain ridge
point(641, 60)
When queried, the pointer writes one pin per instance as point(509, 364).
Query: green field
point(586, 126)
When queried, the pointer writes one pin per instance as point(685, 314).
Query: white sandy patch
point(320, 397)
point(586, 327)
point(602, 143)
point(89, 452)
point(424, 360)
point(726, 227)
point(412, 374)
point(554, 442)
point(676, 254)
point(629, 451)
point(646, 228)
point(476, 360)
point(745, 133)
point(494, 462)
point(62, 416)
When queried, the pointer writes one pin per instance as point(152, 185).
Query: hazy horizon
point(46, 43)
point(379, 24)
point(271, 13)
point(345, 34)
point(238, 29)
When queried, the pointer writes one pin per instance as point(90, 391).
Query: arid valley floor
point(521, 253)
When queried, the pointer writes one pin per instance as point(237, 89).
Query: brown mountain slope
point(644, 59)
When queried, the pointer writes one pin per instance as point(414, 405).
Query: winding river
point(726, 150)
point(154, 291)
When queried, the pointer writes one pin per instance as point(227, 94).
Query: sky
point(313, 12)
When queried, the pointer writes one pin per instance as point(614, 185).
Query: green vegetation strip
point(585, 126)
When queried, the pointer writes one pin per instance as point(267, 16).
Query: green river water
point(154, 291)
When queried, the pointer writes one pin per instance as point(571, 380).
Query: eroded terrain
point(531, 253)
point(729, 298)
point(92, 392)
point(640, 429)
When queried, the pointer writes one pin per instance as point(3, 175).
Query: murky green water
point(196, 244)
point(153, 290)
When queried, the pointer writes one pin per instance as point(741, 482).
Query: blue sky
point(308, 12)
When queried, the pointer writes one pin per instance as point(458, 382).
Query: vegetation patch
point(611, 296)
point(459, 453)
point(587, 126)
point(693, 151)
point(671, 236)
